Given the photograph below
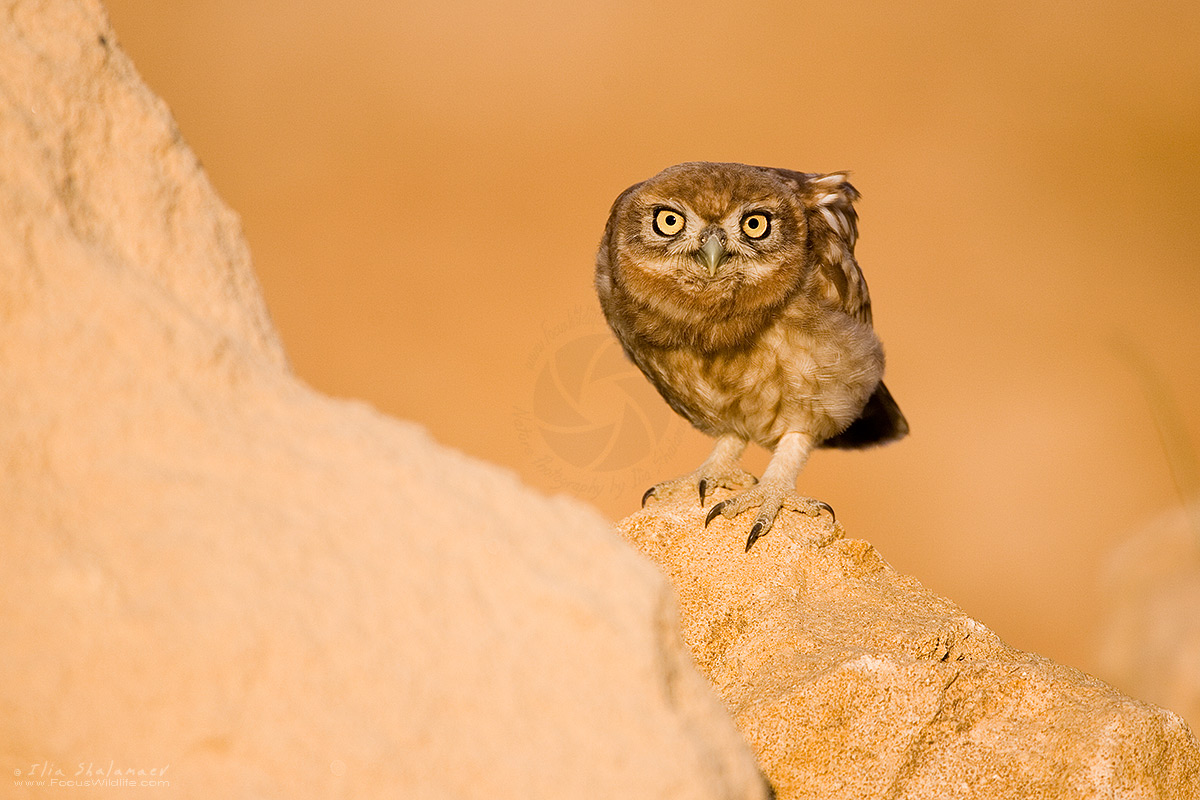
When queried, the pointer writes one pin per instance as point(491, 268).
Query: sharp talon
point(703, 485)
point(755, 532)
point(713, 514)
point(646, 496)
point(828, 508)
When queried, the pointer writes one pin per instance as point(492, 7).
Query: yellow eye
point(756, 225)
point(667, 222)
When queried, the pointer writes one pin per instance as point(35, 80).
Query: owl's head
point(710, 242)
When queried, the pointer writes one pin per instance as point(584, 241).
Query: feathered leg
point(722, 468)
point(777, 488)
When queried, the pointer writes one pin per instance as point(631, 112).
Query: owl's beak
point(713, 253)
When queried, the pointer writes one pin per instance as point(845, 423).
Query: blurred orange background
point(423, 185)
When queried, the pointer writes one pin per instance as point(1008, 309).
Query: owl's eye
point(667, 222)
point(757, 224)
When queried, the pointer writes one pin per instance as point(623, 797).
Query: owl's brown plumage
point(735, 290)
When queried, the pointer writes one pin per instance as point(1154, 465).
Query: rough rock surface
point(851, 680)
point(210, 568)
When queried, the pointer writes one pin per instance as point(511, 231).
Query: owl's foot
point(720, 469)
point(769, 499)
point(703, 482)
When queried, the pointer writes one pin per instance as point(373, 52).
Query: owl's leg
point(721, 468)
point(777, 488)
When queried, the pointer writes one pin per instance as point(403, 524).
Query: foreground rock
point(216, 577)
point(852, 681)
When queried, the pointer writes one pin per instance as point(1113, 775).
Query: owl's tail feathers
point(881, 422)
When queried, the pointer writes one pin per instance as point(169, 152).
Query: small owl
point(735, 290)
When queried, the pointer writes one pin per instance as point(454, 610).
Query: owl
point(734, 289)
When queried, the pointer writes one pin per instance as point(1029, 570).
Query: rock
point(1150, 632)
point(853, 681)
point(216, 577)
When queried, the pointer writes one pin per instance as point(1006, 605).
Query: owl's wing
point(828, 201)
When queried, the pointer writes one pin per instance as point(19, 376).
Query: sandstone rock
point(214, 572)
point(853, 681)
